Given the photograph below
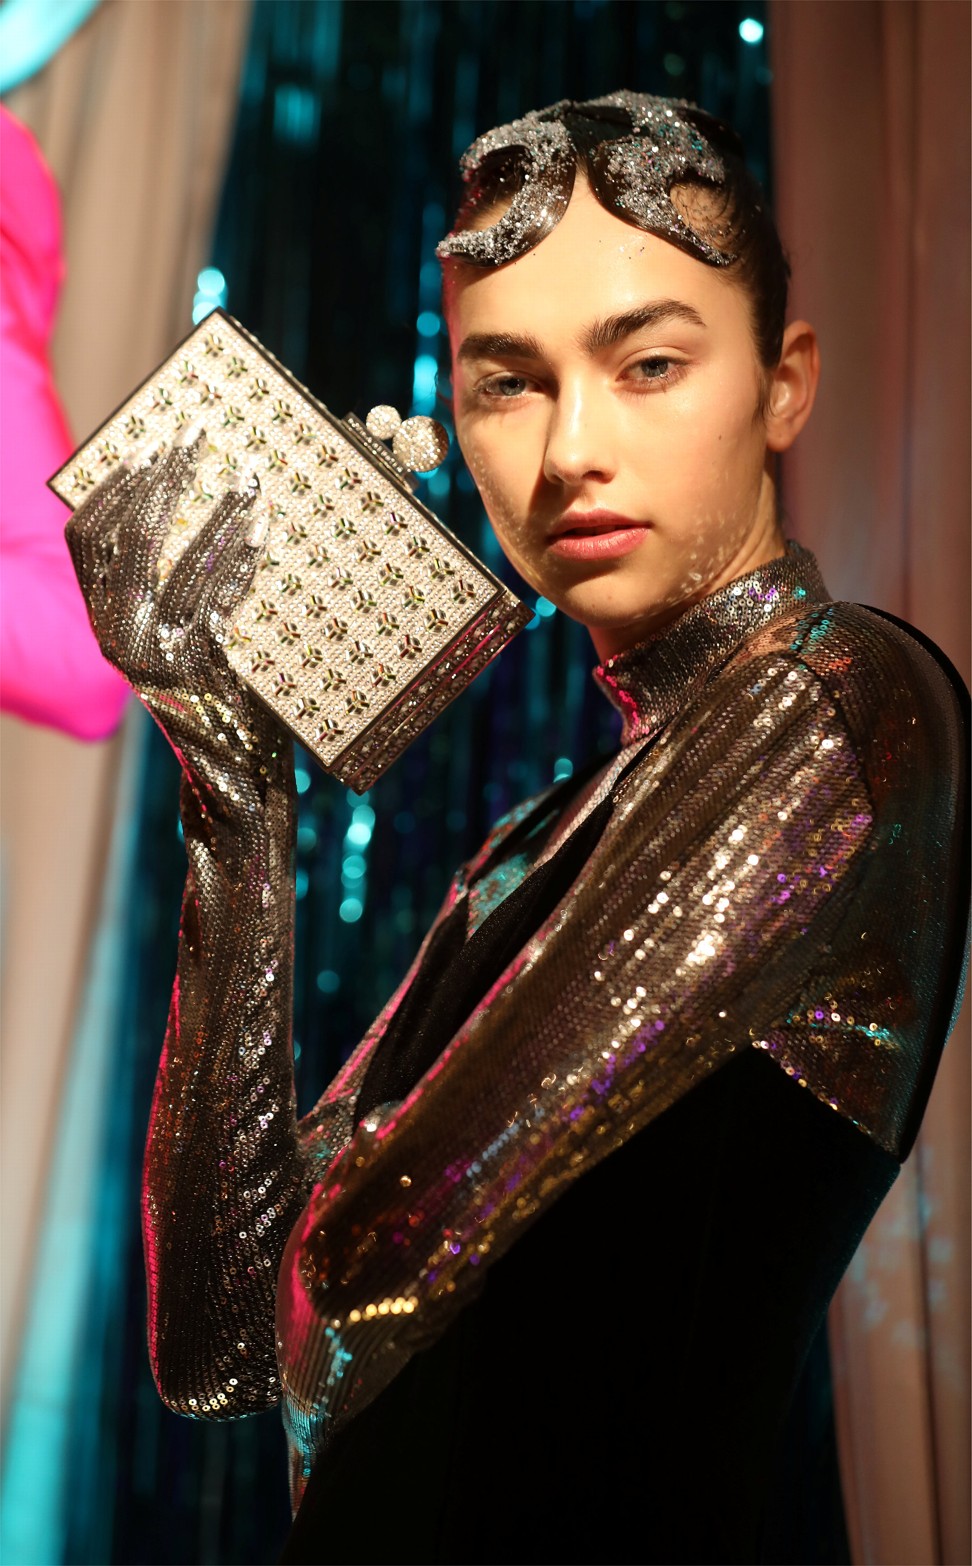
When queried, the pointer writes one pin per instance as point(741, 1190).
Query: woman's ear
point(792, 386)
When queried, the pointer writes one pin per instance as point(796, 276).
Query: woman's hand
point(167, 637)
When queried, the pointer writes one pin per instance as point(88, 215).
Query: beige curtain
point(133, 116)
point(871, 124)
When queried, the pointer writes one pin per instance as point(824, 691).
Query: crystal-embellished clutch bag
point(367, 616)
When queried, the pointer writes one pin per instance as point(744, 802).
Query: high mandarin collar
point(649, 683)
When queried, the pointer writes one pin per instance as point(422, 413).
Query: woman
point(546, 1259)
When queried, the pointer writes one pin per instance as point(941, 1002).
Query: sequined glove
point(224, 1178)
point(165, 636)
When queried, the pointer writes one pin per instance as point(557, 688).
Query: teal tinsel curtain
point(342, 177)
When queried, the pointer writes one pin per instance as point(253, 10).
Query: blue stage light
point(423, 382)
point(751, 31)
point(211, 281)
point(296, 113)
point(210, 291)
point(31, 33)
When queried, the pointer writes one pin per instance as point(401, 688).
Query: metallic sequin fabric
point(776, 873)
point(636, 147)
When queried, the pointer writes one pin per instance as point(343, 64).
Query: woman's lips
point(596, 536)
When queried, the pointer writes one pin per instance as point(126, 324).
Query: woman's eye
point(657, 369)
point(501, 388)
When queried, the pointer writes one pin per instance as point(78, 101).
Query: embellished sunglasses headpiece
point(634, 147)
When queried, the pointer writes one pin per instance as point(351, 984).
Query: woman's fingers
point(144, 532)
point(122, 524)
point(201, 562)
point(91, 536)
point(233, 573)
point(95, 513)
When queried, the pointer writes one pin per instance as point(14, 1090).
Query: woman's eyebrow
point(614, 328)
point(499, 345)
point(596, 337)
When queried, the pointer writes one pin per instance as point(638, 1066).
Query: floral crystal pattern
point(350, 555)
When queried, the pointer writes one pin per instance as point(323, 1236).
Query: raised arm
point(224, 1170)
point(228, 1169)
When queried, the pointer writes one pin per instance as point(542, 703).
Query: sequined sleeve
point(223, 1179)
point(776, 874)
point(228, 1167)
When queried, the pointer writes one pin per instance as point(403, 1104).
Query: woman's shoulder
point(888, 681)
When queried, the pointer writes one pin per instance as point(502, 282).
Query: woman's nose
point(579, 443)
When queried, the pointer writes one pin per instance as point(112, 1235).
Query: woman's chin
point(628, 618)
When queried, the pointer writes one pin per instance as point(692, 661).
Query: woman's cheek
point(499, 512)
point(499, 479)
point(513, 543)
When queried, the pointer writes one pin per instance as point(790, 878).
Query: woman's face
point(606, 387)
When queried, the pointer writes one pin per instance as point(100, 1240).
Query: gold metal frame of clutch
point(367, 616)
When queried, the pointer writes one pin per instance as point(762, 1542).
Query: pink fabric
point(51, 670)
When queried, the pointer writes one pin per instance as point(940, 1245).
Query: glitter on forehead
point(636, 147)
